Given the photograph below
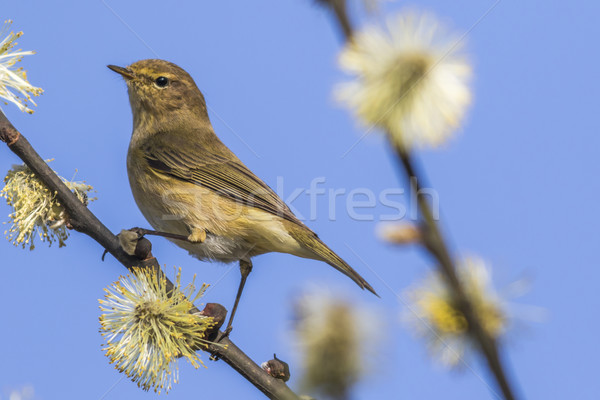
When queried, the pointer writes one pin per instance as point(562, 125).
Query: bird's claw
point(221, 336)
point(128, 239)
point(134, 243)
point(198, 235)
point(139, 231)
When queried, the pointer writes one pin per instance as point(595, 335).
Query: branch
point(435, 243)
point(83, 220)
point(338, 7)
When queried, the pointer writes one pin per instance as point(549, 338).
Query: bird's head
point(160, 92)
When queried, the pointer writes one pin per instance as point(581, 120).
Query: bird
point(193, 189)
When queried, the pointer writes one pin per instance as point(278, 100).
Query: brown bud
point(402, 233)
point(218, 314)
point(8, 133)
point(277, 368)
point(143, 249)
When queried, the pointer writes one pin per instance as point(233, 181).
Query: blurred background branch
point(432, 238)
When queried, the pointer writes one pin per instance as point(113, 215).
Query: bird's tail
point(322, 252)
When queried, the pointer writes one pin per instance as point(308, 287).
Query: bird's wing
point(218, 170)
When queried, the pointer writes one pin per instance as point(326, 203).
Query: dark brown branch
point(435, 244)
point(83, 220)
point(338, 7)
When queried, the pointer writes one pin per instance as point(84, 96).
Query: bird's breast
point(169, 203)
point(234, 231)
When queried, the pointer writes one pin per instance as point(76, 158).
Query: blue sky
point(516, 186)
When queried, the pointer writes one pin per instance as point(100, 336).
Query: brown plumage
point(184, 179)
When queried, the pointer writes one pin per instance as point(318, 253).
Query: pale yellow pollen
point(36, 209)
point(147, 328)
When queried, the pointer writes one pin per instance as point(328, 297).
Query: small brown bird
point(188, 183)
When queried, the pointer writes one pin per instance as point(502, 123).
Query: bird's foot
point(198, 235)
point(218, 339)
point(223, 334)
point(134, 243)
point(139, 231)
point(128, 239)
point(226, 332)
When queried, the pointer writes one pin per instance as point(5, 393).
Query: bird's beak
point(125, 72)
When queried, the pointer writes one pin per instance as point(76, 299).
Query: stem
point(434, 242)
point(341, 13)
point(83, 220)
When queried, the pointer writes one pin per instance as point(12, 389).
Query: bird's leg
point(197, 236)
point(245, 269)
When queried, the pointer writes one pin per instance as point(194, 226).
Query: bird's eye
point(161, 81)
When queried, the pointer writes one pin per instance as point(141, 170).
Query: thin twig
point(83, 220)
point(341, 12)
point(435, 243)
